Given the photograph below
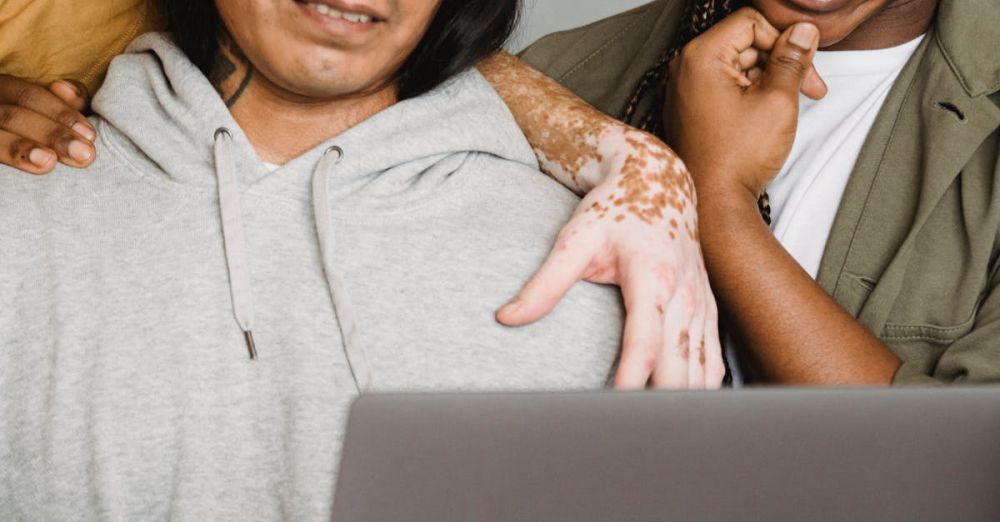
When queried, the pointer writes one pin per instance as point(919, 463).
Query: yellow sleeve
point(44, 40)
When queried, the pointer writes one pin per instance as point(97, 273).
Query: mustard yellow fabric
point(45, 40)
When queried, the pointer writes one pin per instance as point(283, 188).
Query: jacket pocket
point(927, 332)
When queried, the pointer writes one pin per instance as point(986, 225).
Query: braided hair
point(645, 108)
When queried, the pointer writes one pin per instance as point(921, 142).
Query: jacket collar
point(968, 32)
point(937, 115)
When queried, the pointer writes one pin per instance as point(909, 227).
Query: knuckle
point(66, 117)
point(26, 95)
point(649, 360)
point(10, 84)
point(713, 308)
point(58, 138)
point(689, 53)
point(791, 60)
point(19, 149)
point(8, 115)
point(665, 275)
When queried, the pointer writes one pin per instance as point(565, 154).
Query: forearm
point(575, 143)
point(791, 329)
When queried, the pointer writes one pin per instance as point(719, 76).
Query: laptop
point(768, 454)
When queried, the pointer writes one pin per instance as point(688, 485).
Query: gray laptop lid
point(745, 455)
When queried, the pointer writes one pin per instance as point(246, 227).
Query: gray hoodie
point(373, 262)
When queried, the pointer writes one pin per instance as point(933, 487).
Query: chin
point(317, 82)
point(835, 24)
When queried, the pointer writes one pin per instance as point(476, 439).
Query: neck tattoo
point(232, 72)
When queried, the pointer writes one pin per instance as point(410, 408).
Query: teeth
point(355, 18)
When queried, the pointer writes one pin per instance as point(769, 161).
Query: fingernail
point(41, 157)
point(73, 86)
point(803, 35)
point(79, 151)
point(84, 130)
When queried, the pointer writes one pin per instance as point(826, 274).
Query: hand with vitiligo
point(636, 227)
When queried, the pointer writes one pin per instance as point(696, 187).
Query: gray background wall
point(542, 17)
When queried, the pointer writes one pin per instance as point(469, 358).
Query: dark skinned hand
point(735, 124)
point(40, 126)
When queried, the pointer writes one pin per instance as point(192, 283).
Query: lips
point(816, 6)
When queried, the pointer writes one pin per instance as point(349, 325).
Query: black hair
point(462, 33)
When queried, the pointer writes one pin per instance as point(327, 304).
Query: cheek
point(416, 17)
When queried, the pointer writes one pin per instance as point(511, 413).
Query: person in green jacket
point(883, 263)
point(880, 264)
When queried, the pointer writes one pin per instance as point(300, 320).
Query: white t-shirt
point(806, 193)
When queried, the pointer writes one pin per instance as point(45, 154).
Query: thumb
point(563, 268)
point(791, 59)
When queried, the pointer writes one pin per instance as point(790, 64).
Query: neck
point(281, 125)
point(898, 22)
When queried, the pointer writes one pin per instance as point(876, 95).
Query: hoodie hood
point(171, 122)
point(164, 113)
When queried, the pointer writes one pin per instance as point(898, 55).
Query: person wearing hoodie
point(649, 246)
point(184, 329)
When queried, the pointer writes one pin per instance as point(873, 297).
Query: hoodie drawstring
point(232, 234)
point(354, 347)
point(236, 254)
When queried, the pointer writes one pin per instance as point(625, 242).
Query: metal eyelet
point(334, 148)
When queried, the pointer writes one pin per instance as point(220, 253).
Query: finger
point(715, 367)
point(748, 59)
point(561, 270)
point(696, 345)
point(813, 86)
point(24, 154)
point(71, 148)
point(727, 40)
point(791, 59)
point(742, 30)
point(14, 91)
point(642, 342)
point(74, 93)
point(672, 365)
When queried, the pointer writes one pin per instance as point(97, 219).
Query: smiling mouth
point(334, 13)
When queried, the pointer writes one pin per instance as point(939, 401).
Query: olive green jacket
point(913, 251)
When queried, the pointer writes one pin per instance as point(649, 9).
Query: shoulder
point(521, 184)
point(65, 187)
point(602, 62)
point(508, 200)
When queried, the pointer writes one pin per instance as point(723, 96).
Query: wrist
point(726, 199)
point(729, 217)
point(614, 149)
